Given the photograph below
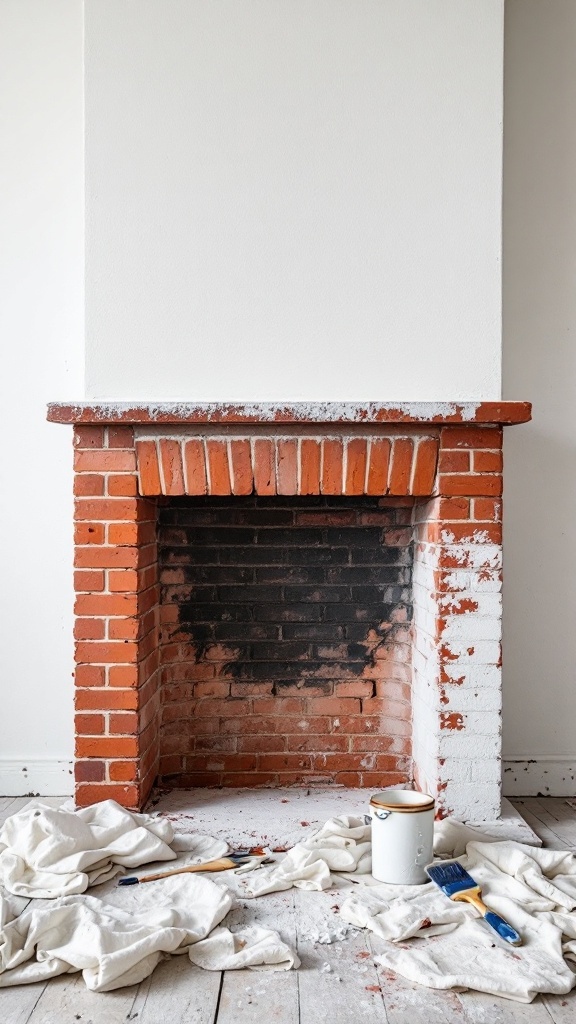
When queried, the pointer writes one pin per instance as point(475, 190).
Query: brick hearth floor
point(352, 990)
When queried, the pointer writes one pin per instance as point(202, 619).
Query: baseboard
point(540, 776)
point(36, 778)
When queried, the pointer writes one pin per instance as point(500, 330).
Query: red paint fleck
point(443, 698)
point(373, 988)
point(280, 849)
point(446, 654)
point(426, 923)
point(454, 720)
point(363, 955)
point(303, 823)
point(470, 650)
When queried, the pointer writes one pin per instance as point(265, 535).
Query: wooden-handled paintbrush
point(231, 860)
point(456, 883)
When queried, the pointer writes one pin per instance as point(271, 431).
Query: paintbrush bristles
point(451, 877)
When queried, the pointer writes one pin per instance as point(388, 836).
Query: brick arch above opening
point(332, 464)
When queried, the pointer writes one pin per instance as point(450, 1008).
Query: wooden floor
point(337, 983)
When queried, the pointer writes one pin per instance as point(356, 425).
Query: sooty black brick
point(268, 599)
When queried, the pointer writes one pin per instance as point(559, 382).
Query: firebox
point(289, 595)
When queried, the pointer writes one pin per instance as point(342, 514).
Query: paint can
point(402, 836)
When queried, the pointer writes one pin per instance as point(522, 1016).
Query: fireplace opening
point(285, 640)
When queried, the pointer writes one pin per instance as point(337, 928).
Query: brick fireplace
point(294, 595)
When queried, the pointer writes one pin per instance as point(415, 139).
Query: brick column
point(116, 628)
point(457, 617)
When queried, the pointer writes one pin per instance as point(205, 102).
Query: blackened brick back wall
point(287, 616)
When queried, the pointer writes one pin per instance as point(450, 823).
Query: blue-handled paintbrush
point(456, 883)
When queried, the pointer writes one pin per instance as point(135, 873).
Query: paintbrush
point(456, 883)
point(231, 860)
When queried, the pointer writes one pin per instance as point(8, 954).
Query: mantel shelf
point(295, 412)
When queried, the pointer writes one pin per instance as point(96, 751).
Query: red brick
point(488, 510)
point(401, 465)
point(283, 762)
point(106, 604)
point(126, 724)
point(105, 699)
point(332, 464)
point(120, 437)
point(148, 468)
point(241, 461)
point(356, 460)
point(89, 725)
point(486, 486)
point(331, 743)
point(104, 461)
point(110, 653)
point(424, 472)
point(218, 467)
point(471, 437)
point(371, 780)
point(250, 689)
point(358, 688)
point(124, 533)
point(124, 629)
point(195, 464)
point(309, 466)
point(383, 706)
point(262, 744)
point(487, 462)
point(106, 508)
point(359, 724)
point(378, 466)
point(89, 675)
point(247, 780)
point(380, 745)
point(106, 746)
point(264, 466)
point(123, 771)
point(333, 705)
point(88, 437)
point(88, 484)
point(107, 557)
point(278, 706)
point(88, 581)
point(125, 485)
point(453, 508)
point(123, 675)
point(287, 466)
point(89, 533)
point(91, 792)
point(472, 532)
point(89, 771)
point(123, 580)
point(171, 462)
point(89, 629)
point(456, 461)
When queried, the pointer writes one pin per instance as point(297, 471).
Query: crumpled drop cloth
point(534, 889)
point(114, 947)
point(47, 852)
point(117, 937)
point(343, 844)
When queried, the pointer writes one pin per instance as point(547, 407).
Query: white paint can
point(402, 836)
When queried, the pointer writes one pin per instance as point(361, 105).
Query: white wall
point(540, 364)
point(293, 199)
point(41, 327)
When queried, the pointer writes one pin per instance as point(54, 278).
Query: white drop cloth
point(47, 852)
point(117, 938)
point(534, 889)
point(114, 947)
